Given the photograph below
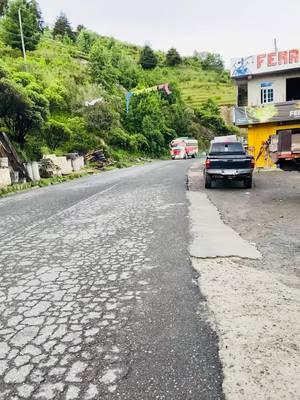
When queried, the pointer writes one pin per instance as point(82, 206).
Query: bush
point(117, 137)
point(81, 139)
point(57, 96)
point(23, 78)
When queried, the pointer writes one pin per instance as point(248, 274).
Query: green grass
point(198, 90)
point(20, 187)
point(197, 86)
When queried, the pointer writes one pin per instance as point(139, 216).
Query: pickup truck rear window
point(231, 148)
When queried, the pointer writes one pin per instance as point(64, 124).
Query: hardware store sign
point(265, 62)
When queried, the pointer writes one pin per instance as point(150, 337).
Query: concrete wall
point(66, 166)
point(5, 179)
point(33, 170)
point(279, 85)
point(77, 164)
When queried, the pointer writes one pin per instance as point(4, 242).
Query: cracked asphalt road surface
point(98, 298)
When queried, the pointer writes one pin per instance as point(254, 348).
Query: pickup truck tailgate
point(230, 163)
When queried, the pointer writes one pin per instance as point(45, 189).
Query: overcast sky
point(233, 27)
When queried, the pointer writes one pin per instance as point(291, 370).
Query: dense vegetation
point(69, 95)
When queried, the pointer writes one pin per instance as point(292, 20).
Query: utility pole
point(275, 45)
point(22, 38)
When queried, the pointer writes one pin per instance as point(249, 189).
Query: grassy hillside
point(70, 96)
point(197, 86)
point(201, 86)
point(197, 92)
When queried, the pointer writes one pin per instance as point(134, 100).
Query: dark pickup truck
point(228, 161)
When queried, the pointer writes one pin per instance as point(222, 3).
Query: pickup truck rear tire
point(248, 183)
point(208, 182)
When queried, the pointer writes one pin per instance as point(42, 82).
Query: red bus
point(183, 148)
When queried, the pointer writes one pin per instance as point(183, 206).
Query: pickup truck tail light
point(252, 163)
point(207, 164)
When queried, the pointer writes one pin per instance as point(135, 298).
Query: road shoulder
point(255, 314)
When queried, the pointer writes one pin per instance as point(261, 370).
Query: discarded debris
point(8, 151)
point(48, 169)
point(97, 157)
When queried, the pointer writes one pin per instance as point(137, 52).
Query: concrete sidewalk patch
point(257, 319)
point(210, 236)
point(254, 312)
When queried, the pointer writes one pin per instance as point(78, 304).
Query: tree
point(81, 140)
point(101, 117)
point(181, 119)
point(32, 24)
point(125, 66)
point(153, 135)
point(63, 27)
point(148, 59)
point(173, 58)
point(210, 117)
point(85, 40)
point(17, 111)
point(148, 116)
point(79, 29)
point(213, 62)
point(3, 4)
point(56, 134)
point(101, 69)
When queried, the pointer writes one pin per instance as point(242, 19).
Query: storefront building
point(268, 98)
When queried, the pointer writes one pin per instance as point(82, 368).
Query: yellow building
point(268, 98)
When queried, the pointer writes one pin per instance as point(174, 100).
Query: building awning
point(279, 112)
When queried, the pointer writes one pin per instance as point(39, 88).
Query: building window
point(243, 95)
point(292, 89)
point(267, 95)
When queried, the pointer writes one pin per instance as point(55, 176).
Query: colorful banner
point(164, 87)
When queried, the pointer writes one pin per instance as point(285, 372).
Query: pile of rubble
point(97, 157)
point(13, 170)
point(51, 165)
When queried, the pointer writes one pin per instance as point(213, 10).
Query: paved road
point(98, 298)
